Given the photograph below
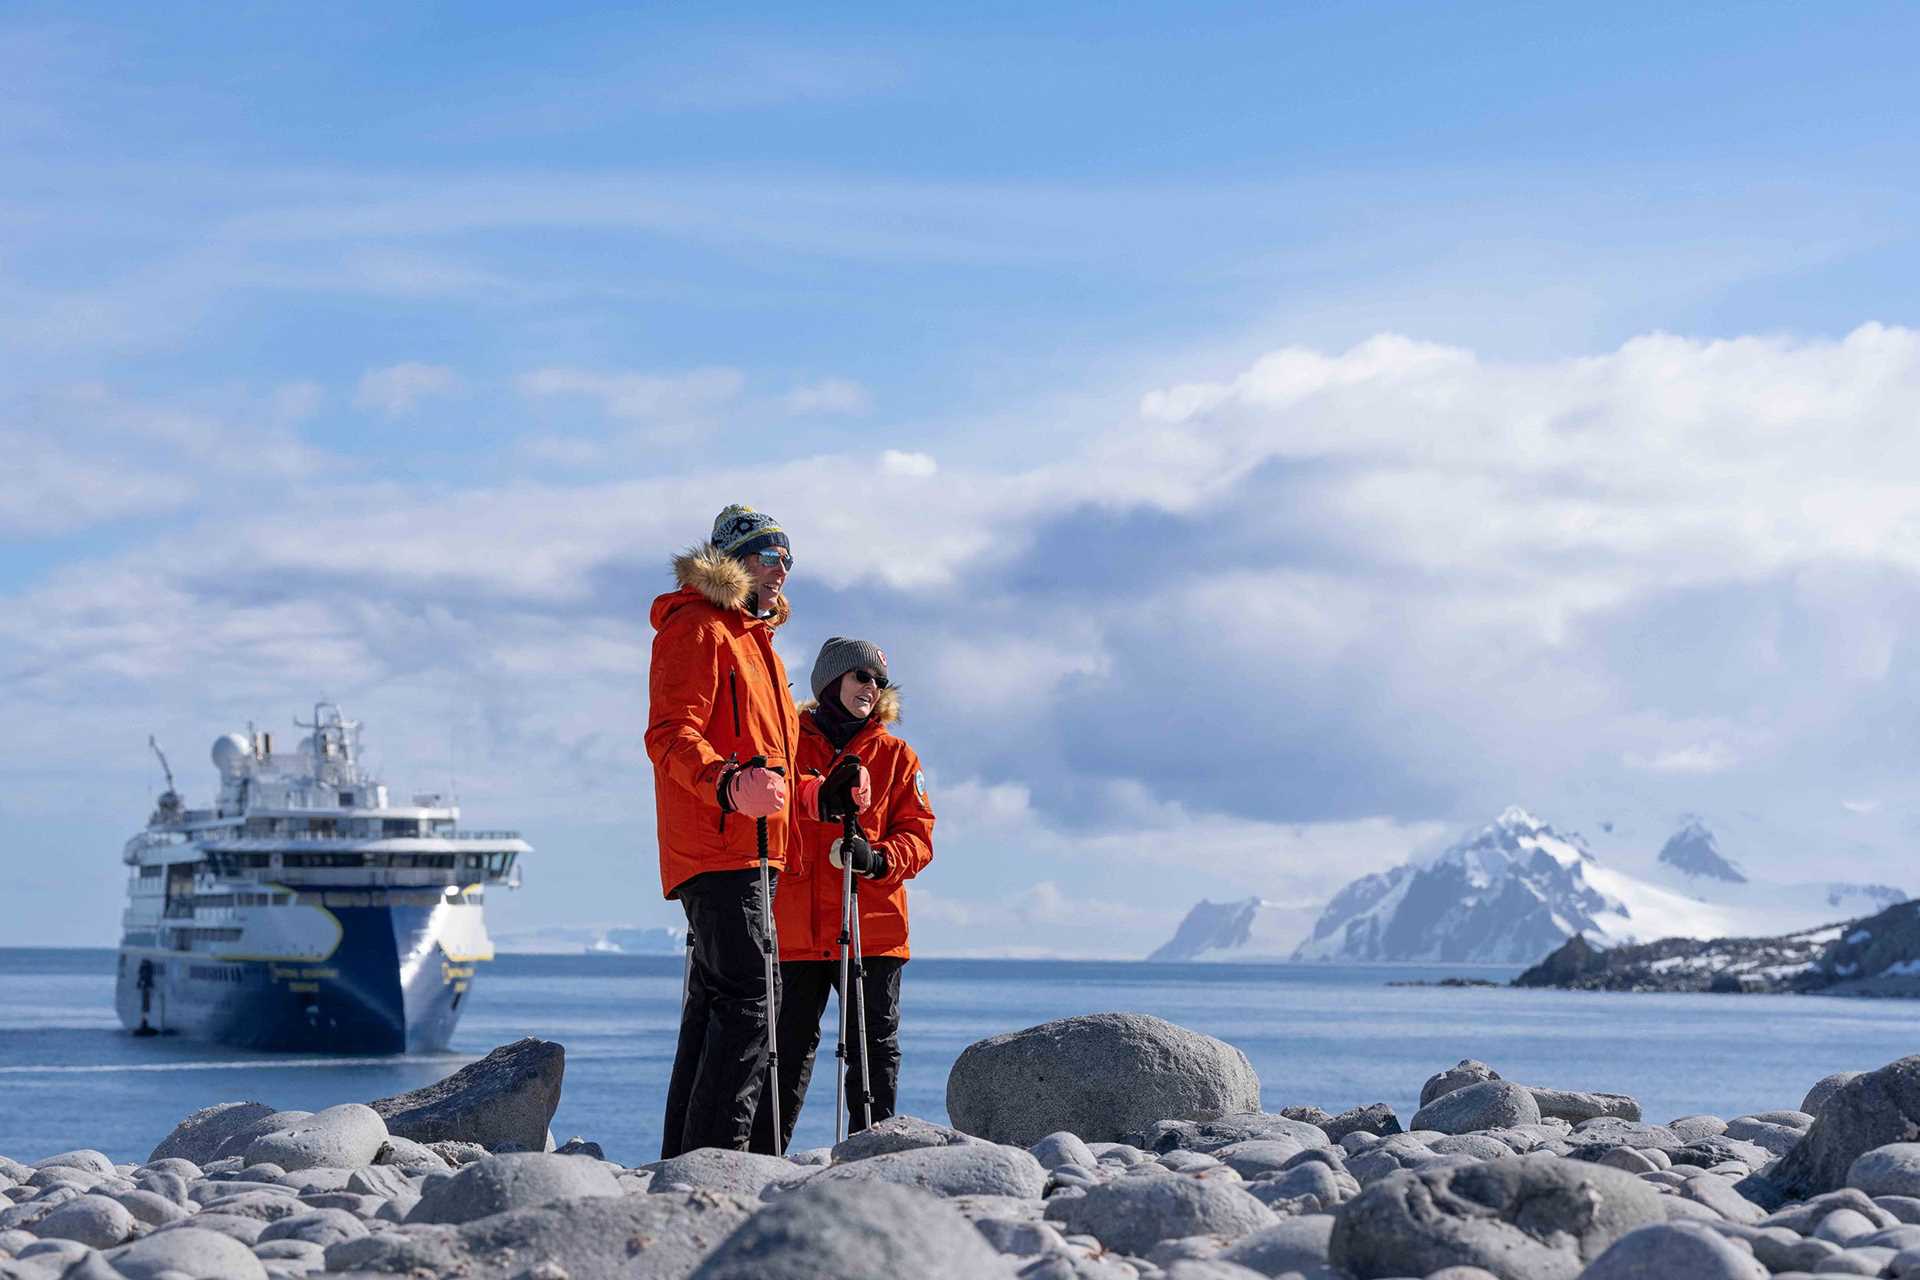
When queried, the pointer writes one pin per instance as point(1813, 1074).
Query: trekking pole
point(846, 941)
point(849, 829)
point(769, 950)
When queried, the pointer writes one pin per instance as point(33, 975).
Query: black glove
point(836, 790)
point(868, 862)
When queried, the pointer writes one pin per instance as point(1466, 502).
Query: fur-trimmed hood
point(721, 580)
point(886, 707)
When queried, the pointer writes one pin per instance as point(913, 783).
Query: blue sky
point(1269, 439)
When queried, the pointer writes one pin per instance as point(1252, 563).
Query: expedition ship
point(305, 911)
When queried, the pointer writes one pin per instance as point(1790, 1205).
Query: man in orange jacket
point(717, 700)
point(855, 706)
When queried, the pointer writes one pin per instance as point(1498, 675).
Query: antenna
point(164, 767)
point(169, 804)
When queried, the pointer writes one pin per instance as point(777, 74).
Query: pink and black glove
point(847, 789)
point(753, 791)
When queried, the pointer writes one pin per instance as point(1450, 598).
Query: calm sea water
point(1329, 1036)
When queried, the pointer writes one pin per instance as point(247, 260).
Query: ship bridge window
point(473, 861)
point(152, 871)
point(322, 827)
point(400, 827)
point(346, 799)
point(323, 860)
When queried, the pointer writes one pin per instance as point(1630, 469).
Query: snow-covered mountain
point(1250, 929)
point(1693, 851)
point(1516, 889)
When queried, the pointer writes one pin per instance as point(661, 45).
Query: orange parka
point(899, 823)
point(717, 694)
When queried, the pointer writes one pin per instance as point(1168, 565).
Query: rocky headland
point(1878, 955)
point(1103, 1147)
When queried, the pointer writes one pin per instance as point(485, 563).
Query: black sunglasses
point(867, 677)
point(771, 556)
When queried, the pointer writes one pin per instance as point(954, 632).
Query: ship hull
point(388, 986)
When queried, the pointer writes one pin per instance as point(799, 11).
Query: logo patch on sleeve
point(920, 784)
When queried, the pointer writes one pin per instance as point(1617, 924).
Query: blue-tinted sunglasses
point(771, 556)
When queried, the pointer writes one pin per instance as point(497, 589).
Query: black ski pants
point(720, 1064)
point(805, 986)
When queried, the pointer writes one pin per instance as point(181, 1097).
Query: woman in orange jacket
point(717, 700)
point(853, 713)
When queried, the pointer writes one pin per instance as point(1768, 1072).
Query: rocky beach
point(1108, 1146)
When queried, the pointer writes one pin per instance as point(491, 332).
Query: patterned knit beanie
point(740, 531)
point(839, 656)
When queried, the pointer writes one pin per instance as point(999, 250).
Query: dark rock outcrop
point(505, 1100)
point(1869, 1111)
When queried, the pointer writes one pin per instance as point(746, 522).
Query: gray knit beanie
point(841, 655)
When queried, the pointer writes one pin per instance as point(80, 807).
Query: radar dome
point(232, 752)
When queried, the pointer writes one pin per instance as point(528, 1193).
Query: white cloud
point(830, 396)
point(399, 388)
point(1372, 569)
point(1699, 757)
point(84, 455)
point(916, 466)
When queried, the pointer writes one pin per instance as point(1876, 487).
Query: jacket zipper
point(733, 691)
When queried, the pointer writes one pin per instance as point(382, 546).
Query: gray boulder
point(187, 1252)
point(1314, 1187)
point(1242, 1126)
point(880, 1232)
point(1825, 1087)
point(1591, 1138)
point(1775, 1138)
point(1490, 1104)
point(897, 1133)
point(202, 1135)
point(319, 1227)
point(1869, 1111)
point(1522, 1218)
point(633, 1237)
point(1891, 1170)
point(506, 1098)
point(1211, 1269)
point(91, 1220)
point(1258, 1156)
point(343, 1137)
point(743, 1173)
point(1467, 1071)
point(1375, 1118)
point(1132, 1214)
point(514, 1181)
point(405, 1153)
point(1063, 1148)
point(1672, 1249)
point(380, 1180)
point(455, 1154)
point(86, 1158)
point(1690, 1128)
point(1574, 1107)
point(979, 1168)
point(150, 1207)
point(1293, 1244)
point(1101, 1076)
point(1718, 1195)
